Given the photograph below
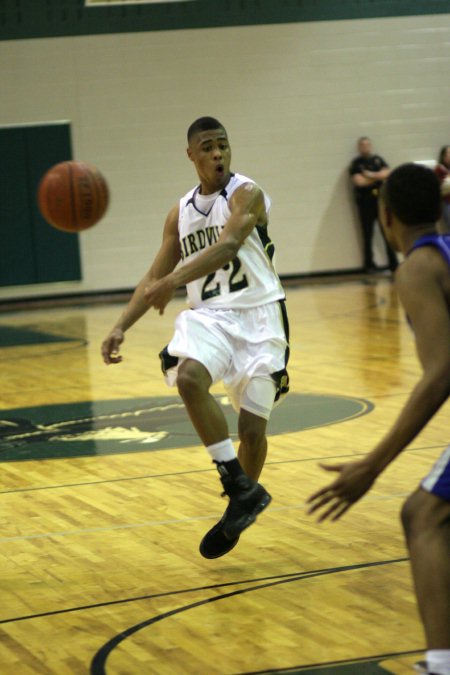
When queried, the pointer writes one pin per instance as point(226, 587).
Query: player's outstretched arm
point(164, 263)
point(420, 288)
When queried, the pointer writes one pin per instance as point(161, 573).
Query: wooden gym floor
point(105, 493)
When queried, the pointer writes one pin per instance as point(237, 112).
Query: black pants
point(368, 215)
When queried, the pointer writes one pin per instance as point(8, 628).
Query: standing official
point(367, 172)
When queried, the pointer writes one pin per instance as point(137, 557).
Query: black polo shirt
point(372, 163)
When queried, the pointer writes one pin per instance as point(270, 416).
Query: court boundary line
point(99, 660)
point(325, 458)
point(344, 662)
point(287, 576)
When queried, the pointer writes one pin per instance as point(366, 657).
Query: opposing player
point(215, 242)
point(409, 210)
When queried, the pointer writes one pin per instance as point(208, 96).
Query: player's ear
point(384, 213)
point(189, 153)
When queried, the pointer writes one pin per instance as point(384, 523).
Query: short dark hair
point(203, 124)
point(412, 192)
point(442, 153)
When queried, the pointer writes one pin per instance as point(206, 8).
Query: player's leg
point(247, 497)
point(257, 376)
point(258, 398)
point(253, 443)
point(426, 522)
point(194, 382)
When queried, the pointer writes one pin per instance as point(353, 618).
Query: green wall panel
point(21, 19)
point(56, 253)
point(16, 240)
point(31, 250)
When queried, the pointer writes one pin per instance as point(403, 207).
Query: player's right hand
point(111, 346)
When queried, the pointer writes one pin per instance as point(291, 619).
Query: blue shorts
point(438, 480)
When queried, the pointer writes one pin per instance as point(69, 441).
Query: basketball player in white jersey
point(215, 243)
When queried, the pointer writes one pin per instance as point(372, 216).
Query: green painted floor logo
point(145, 424)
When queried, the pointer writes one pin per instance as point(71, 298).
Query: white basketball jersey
point(247, 281)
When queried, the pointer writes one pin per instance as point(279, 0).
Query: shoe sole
point(204, 550)
point(235, 531)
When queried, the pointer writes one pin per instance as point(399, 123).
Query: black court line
point(325, 458)
point(334, 664)
point(99, 660)
point(285, 577)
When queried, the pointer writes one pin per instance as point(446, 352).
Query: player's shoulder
point(246, 190)
point(237, 180)
point(423, 265)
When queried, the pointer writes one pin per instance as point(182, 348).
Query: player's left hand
point(160, 293)
point(353, 481)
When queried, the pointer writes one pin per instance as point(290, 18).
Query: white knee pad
point(258, 396)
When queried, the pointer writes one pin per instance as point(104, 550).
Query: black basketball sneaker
point(247, 499)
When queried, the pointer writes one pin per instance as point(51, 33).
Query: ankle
point(230, 470)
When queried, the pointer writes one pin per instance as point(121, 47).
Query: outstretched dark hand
point(353, 481)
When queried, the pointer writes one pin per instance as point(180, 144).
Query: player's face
point(211, 153)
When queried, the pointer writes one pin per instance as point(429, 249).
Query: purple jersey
point(440, 241)
point(438, 480)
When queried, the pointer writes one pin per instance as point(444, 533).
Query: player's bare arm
point(165, 262)
point(247, 210)
point(420, 287)
point(420, 290)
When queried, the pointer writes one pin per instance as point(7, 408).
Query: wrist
point(373, 464)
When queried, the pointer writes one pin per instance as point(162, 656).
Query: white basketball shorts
point(236, 346)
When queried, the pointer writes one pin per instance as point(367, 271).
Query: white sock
point(438, 661)
point(223, 451)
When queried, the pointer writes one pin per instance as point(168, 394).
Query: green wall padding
point(20, 19)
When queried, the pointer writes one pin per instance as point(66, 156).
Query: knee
point(191, 380)
point(410, 515)
point(424, 514)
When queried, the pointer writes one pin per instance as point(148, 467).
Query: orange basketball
point(73, 196)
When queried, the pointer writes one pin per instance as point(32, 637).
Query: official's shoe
point(247, 499)
point(215, 544)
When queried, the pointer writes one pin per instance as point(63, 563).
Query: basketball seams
point(73, 196)
point(72, 203)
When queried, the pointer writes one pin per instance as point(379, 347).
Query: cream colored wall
point(293, 98)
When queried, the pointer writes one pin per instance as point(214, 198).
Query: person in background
point(410, 207)
point(443, 173)
point(367, 173)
